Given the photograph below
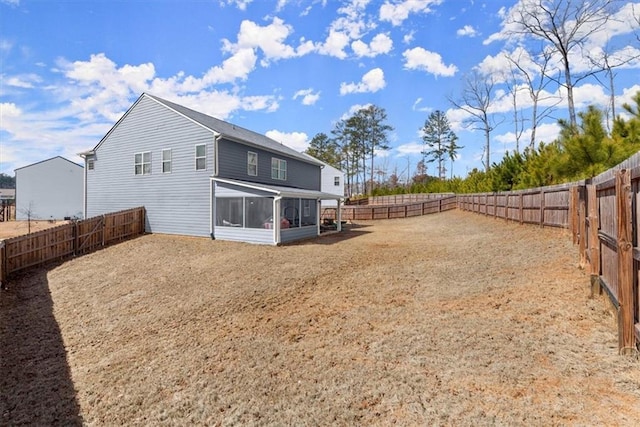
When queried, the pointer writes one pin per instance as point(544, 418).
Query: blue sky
point(286, 68)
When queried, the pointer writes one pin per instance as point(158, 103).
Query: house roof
point(279, 191)
point(48, 160)
point(7, 193)
point(235, 132)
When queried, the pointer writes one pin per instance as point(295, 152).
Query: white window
point(166, 160)
point(142, 163)
point(91, 164)
point(201, 157)
point(306, 207)
point(336, 181)
point(278, 169)
point(252, 163)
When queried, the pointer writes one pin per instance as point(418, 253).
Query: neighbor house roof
point(7, 193)
point(280, 191)
point(48, 160)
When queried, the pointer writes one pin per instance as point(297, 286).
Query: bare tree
point(536, 81)
point(607, 63)
point(476, 102)
point(566, 25)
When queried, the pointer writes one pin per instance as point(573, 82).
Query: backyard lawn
point(451, 318)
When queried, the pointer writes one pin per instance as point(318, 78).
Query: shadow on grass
point(35, 380)
point(349, 231)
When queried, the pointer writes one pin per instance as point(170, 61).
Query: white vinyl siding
point(142, 163)
point(201, 157)
point(166, 160)
point(278, 169)
point(252, 163)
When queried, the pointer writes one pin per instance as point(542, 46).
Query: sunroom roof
point(280, 191)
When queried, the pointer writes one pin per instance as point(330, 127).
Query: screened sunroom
point(258, 213)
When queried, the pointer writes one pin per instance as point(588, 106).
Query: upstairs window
point(252, 163)
point(142, 163)
point(201, 157)
point(336, 181)
point(91, 164)
point(166, 160)
point(278, 169)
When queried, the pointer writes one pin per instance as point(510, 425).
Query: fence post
point(495, 205)
point(520, 207)
point(582, 226)
point(573, 213)
point(541, 208)
point(3, 265)
point(594, 239)
point(626, 335)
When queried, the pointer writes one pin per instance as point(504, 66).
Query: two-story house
point(200, 176)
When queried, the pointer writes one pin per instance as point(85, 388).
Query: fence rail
point(390, 211)
point(604, 219)
point(75, 238)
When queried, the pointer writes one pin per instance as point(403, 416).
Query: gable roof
point(225, 129)
point(48, 160)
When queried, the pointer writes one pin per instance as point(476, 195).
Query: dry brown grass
point(448, 319)
point(18, 228)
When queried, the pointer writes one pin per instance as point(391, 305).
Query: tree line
point(580, 152)
point(546, 37)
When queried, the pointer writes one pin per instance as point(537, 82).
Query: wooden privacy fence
point(606, 228)
point(545, 206)
point(377, 211)
point(603, 216)
point(71, 239)
point(398, 199)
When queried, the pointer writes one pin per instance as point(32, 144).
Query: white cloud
point(372, 81)
point(467, 31)
point(421, 59)
point(409, 148)
point(397, 12)
point(299, 141)
point(240, 4)
point(416, 106)
point(269, 39)
point(408, 38)
point(380, 44)
point(334, 45)
point(24, 81)
point(307, 95)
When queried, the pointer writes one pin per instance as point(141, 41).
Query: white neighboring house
point(332, 182)
point(50, 190)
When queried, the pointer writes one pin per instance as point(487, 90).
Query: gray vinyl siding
point(176, 202)
point(298, 233)
point(232, 164)
point(249, 235)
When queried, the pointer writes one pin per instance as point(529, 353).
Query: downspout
point(339, 215)
point(216, 137)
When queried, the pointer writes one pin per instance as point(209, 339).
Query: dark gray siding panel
point(232, 164)
point(176, 202)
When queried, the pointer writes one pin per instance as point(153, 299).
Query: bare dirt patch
point(452, 319)
point(18, 228)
